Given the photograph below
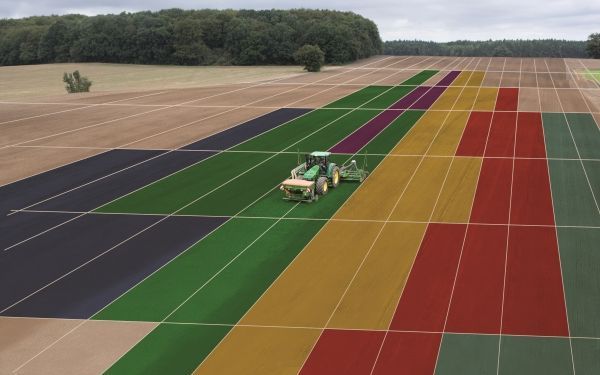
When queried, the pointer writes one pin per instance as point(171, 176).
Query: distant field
point(20, 82)
point(594, 74)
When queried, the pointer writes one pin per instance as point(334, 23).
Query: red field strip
point(492, 198)
point(344, 352)
point(530, 136)
point(531, 197)
point(477, 300)
point(533, 297)
point(501, 141)
point(425, 298)
point(508, 99)
point(407, 353)
point(475, 135)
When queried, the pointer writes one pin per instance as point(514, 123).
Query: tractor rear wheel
point(322, 187)
point(335, 177)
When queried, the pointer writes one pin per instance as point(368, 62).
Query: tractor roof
point(320, 153)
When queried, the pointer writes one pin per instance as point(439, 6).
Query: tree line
point(188, 37)
point(489, 48)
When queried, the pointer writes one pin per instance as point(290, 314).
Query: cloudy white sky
point(439, 20)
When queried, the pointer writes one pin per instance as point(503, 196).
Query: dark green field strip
point(358, 98)
point(573, 200)
point(156, 297)
point(420, 78)
point(462, 354)
point(272, 205)
point(586, 355)
point(522, 355)
point(580, 261)
point(586, 134)
point(171, 349)
point(388, 98)
point(242, 191)
point(282, 137)
point(234, 291)
point(559, 143)
point(592, 169)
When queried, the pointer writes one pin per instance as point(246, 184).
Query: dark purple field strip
point(232, 136)
point(449, 78)
point(365, 133)
point(410, 99)
point(43, 259)
point(429, 98)
point(33, 189)
point(15, 228)
point(89, 289)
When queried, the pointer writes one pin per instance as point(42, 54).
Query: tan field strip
point(324, 98)
point(549, 100)
point(528, 80)
point(529, 100)
point(492, 79)
point(572, 100)
point(510, 79)
point(90, 349)
point(17, 163)
point(11, 112)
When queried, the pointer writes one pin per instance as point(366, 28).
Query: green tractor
point(317, 174)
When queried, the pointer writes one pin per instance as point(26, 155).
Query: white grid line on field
point(52, 344)
point(267, 326)
point(279, 276)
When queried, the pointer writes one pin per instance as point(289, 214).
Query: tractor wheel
point(322, 187)
point(335, 177)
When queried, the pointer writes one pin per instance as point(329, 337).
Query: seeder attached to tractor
point(317, 174)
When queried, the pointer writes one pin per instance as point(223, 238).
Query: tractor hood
point(312, 173)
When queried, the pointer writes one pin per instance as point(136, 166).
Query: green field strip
point(571, 194)
point(359, 97)
point(171, 349)
point(522, 355)
point(230, 291)
point(170, 194)
point(272, 205)
point(234, 291)
point(559, 143)
point(592, 169)
point(420, 78)
point(586, 355)
point(286, 135)
point(463, 354)
point(586, 134)
point(580, 260)
point(389, 97)
point(157, 296)
point(241, 192)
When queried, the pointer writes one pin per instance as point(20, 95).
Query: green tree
point(189, 46)
point(311, 57)
point(76, 83)
point(593, 46)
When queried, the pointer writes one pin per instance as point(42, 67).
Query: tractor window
point(310, 161)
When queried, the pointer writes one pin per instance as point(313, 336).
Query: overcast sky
point(439, 20)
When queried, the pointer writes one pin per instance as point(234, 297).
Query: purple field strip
point(411, 98)
point(428, 99)
point(449, 78)
point(364, 134)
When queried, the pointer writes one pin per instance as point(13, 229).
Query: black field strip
point(32, 265)
point(249, 129)
point(33, 189)
point(93, 195)
point(87, 290)
point(22, 225)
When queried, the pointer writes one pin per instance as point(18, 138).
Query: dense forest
point(504, 48)
point(188, 37)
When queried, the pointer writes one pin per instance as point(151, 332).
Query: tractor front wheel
point(335, 177)
point(322, 187)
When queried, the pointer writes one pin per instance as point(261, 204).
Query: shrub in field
point(76, 83)
point(311, 57)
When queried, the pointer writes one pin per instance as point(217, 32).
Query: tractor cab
point(320, 159)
